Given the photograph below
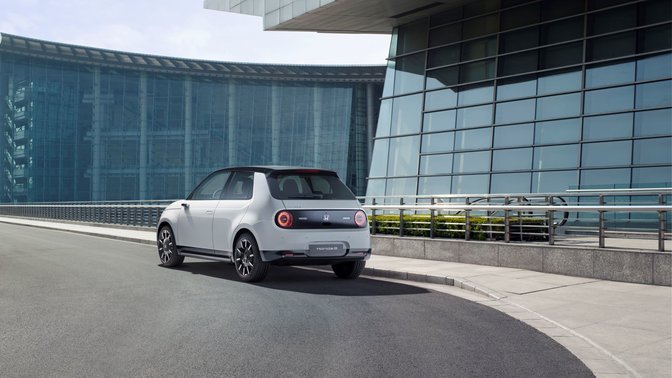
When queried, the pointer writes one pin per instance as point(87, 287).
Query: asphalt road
point(73, 305)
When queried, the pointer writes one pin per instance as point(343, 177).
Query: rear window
point(300, 185)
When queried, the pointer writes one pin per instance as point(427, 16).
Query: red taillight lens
point(284, 219)
point(360, 219)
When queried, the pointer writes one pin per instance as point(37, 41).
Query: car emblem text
point(325, 217)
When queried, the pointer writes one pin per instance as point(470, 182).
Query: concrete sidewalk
point(616, 329)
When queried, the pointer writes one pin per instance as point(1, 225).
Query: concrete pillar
point(232, 125)
point(275, 123)
point(142, 161)
point(317, 124)
point(188, 175)
point(96, 126)
point(370, 120)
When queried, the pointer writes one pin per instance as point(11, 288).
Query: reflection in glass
point(401, 187)
point(470, 184)
point(516, 89)
point(480, 48)
point(473, 139)
point(477, 71)
point(475, 95)
point(436, 164)
point(445, 98)
point(653, 122)
point(412, 37)
point(561, 131)
point(561, 55)
point(605, 178)
point(564, 82)
point(467, 162)
point(554, 181)
point(406, 113)
point(560, 31)
point(375, 188)
point(653, 95)
point(515, 111)
point(438, 142)
point(512, 160)
point(612, 74)
point(445, 34)
point(438, 121)
point(607, 127)
point(609, 100)
point(568, 105)
point(519, 40)
point(384, 118)
point(443, 56)
point(518, 63)
point(379, 158)
point(443, 77)
point(653, 151)
point(403, 157)
point(474, 116)
point(602, 154)
point(553, 157)
point(655, 67)
point(611, 46)
point(434, 185)
point(510, 183)
point(409, 76)
point(516, 135)
point(655, 177)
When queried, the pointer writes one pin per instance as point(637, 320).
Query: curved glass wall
point(503, 96)
point(82, 124)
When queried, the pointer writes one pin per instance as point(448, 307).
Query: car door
point(195, 221)
point(231, 209)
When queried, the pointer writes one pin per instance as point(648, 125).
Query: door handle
point(209, 211)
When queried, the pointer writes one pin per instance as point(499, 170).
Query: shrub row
point(453, 227)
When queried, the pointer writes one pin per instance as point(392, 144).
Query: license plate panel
point(326, 250)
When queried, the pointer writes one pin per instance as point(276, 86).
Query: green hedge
point(452, 227)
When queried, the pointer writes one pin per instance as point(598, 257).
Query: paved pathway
point(616, 329)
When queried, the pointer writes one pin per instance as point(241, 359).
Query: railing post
point(432, 202)
point(661, 224)
point(507, 226)
point(467, 222)
point(401, 217)
point(551, 227)
point(600, 224)
point(374, 223)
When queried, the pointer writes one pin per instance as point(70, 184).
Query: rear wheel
point(349, 270)
point(167, 248)
point(247, 259)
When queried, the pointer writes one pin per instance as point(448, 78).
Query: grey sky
point(181, 28)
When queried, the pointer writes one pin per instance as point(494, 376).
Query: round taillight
point(284, 219)
point(360, 219)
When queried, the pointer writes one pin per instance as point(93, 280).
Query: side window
point(240, 186)
point(211, 188)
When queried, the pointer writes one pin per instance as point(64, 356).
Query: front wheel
point(247, 259)
point(167, 248)
point(349, 270)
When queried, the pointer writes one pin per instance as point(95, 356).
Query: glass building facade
point(511, 96)
point(83, 124)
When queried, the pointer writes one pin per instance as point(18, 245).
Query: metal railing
point(126, 213)
point(552, 217)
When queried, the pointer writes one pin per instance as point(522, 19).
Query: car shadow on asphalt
point(304, 280)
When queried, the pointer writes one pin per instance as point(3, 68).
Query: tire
point(247, 259)
point(349, 270)
point(165, 241)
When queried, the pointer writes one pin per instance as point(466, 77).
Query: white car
point(261, 216)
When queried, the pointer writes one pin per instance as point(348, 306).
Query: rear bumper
point(288, 257)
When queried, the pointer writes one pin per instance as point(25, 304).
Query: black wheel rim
point(244, 257)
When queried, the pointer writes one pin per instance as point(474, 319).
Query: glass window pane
point(446, 17)
point(564, 82)
point(605, 178)
point(609, 100)
point(512, 160)
point(389, 79)
point(652, 12)
point(654, 122)
point(607, 127)
point(565, 30)
point(443, 99)
point(445, 35)
point(470, 184)
point(520, 16)
point(443, 56)
point(653, 95)
point(653, 151)
point(406, 112)
point(475, 95)
point(473, 139)
point(516, 135)
point(553, 9)
point(467, 162)
point(611, 46)
point(562, 131)
point(480, 48)
point(518, 63)
point(658, 177)
point(375, 188)
point(480, 26)
point(554, 181)
point(477, 71)
point(508, 90)
point(568, 105)
point(515, 111)
point(379, 158)
point(403, 156)
point(436, 164)
point(519, 40)
point(606, 154)
point(439, 142)
point(474, 116)
point(400, 187)
point(655, 67)
point(410, 73)
point(438, 121)
point(412, 37)
point(434, 185)
point(562, 55)
point(612, 74)
point(384, 118)
point(556, 157)
point(654, 39)
point(511, 183)
point(443, 77)
point(612, 20)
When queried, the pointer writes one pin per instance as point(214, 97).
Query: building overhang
point(334, 16)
